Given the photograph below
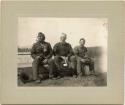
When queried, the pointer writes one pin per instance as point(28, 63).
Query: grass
point(86, 81)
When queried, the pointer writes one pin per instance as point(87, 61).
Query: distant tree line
point(92, 51)
point(24, 49)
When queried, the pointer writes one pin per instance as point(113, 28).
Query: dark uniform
point(82, 59)
point(43, 50)
point(62, 49)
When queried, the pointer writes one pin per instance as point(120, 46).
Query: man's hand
point(37, 57)
point(45, 61)
point(83, 60)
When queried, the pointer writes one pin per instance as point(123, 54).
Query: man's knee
point(50, 61)
point(36, 60)
point(73, 59)
point(78, 59)
point(92, 61)
point(73, 62)
point(58, 59)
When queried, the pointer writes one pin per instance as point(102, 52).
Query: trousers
point(79, 63)
point(39, 67)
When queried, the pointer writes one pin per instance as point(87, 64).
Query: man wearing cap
point(41, 53)
point(82, 59)
point(63, 54)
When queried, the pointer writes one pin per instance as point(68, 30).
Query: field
point(100, 79)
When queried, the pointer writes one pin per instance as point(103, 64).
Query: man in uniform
point(82, 59)
point(41, 53)
point(63, 55)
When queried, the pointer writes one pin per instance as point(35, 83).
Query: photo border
point(112, 94)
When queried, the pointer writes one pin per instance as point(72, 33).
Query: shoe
point(74, 76)
point(41, 76)
point(58, 77)
point(92, 73)
point(52, 77)
point(80, 75)
point(38, 81)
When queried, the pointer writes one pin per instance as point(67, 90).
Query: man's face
point(63, 38)
point(82, 42)
point(40, 38)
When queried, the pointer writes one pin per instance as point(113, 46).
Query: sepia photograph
point(62, 52)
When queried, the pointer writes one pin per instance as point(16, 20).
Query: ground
point(100, 79)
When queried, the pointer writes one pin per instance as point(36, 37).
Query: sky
point(94, 30)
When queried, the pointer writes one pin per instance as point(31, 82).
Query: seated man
point(63, 54)
point(82, 59)
point(41, 53)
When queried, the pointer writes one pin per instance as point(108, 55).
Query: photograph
point(62, 52)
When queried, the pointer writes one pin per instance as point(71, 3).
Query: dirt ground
point(100, 79)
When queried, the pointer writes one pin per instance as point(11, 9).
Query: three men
point(41, 53)
point(64, 56)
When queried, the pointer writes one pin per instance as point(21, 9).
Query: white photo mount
point(12, 94)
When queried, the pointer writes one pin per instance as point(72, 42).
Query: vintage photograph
point(62, 52)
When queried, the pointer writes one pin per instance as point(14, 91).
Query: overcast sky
point(94, 30)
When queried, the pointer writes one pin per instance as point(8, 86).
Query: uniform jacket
point(43, 50)
point(63, 49)
point(80, 51)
